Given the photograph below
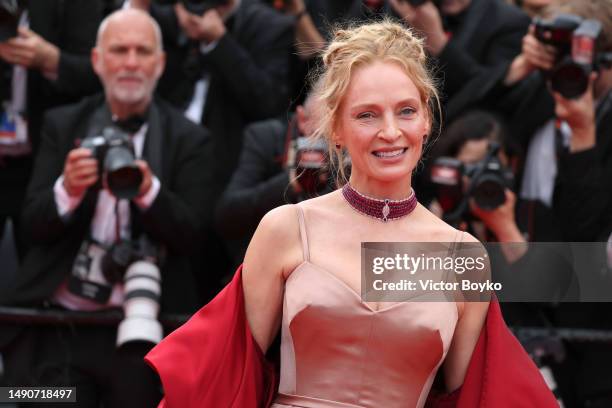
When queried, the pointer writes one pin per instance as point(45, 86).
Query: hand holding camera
point(461, 186)
point(576, 42)
point(80, 171)
point(537, 55)
point(111, 155)
point(500, 220)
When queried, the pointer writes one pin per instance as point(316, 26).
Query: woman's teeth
point(392, 153)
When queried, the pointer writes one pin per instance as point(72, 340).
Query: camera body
point(576, 42)
point(9, 19)
point(310, 163)
point(114, 151)
point(308, 156)
point(456, 183)
point(122, 254)
point(198, 7)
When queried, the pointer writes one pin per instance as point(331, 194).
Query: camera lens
point(489, 191)
point(141, 305)
point(123, 176)
point(570, 79)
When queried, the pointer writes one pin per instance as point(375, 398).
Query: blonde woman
point(301, 274)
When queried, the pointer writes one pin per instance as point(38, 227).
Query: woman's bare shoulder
point(280, 220)
point(276, 242)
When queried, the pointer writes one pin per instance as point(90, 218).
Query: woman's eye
point(407, 111)
point(365, 115)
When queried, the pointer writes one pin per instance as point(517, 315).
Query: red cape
point(213, 361)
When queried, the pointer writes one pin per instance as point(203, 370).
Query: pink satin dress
point(337, 351)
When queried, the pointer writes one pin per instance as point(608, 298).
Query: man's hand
point(30, 50)
point(80, 172)
point(538, 55)
point(206, 28)
point(501, 220)
point(425, 19)
point(534, 55)
point(147, 178)
point(580, 116)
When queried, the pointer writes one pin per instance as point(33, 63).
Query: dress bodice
point(337, 351)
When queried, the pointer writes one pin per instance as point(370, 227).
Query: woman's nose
point(390, 130)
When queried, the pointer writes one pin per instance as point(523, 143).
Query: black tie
point(131, 124)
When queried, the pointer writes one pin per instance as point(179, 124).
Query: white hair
point(116, 14)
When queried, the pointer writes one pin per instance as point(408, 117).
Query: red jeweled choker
point(383, 210)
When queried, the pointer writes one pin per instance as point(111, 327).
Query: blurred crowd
point(141, 142)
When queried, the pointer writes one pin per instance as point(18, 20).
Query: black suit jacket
point(583, 190)
point(178, 153)
point(71, 25)
point(582, 200)
point(259, 184)
point(248, 76)
point(479, 52)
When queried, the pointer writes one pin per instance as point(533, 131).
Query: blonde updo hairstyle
point(360, 45)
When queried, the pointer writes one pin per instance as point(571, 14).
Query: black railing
point(31, 316)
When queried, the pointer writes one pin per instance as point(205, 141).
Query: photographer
point(472, 41)
point(113, 223)
point(478, 197)
point(279, 164)
point(570, 131)
point(44, 62)
point(569, 162)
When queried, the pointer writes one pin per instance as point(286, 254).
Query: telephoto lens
point(141, 305)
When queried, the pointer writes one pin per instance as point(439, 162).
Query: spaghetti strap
point(452, 249)
point(303, 235)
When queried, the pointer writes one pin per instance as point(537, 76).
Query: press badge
point(87, 280)
point(13, 132)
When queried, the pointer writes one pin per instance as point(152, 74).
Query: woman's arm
point(273, 253)
point(472, 316)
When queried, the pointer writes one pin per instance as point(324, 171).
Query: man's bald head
point(129, 59)
point(128, 16)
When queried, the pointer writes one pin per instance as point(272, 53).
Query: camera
point(123, 253)
point(308, 155)
point(136, 265)
point(575, 40)
point(9, 19)
point(114, 151)
point(198, 7)
point(456, 183)
point(311, 162)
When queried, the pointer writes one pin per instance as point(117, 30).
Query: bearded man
point(82, 215)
